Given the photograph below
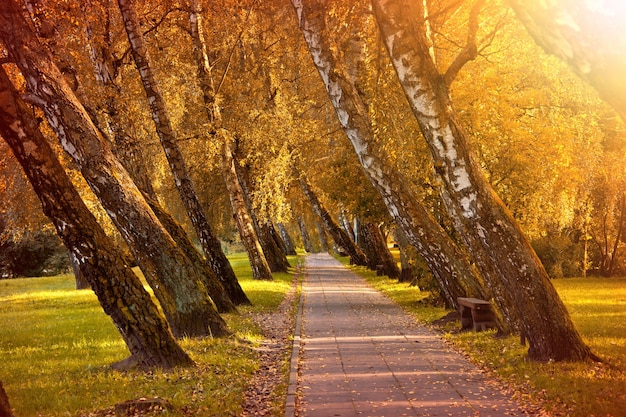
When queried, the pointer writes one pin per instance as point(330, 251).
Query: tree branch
point(470, 51)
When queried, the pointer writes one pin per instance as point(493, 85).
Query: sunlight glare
point(609, 8)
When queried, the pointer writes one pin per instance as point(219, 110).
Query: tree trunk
point(590, 40)
point(341, 238)
point(81, 282)
point(5, 408)
point(306, 239)
point(321, 231)
point(274, 254)
point(508, 263)
point(260, 268)
point(408, 259)
point(209, 242)
point(175, 281)
point(449, 265)
point(345, 223)
point(118, 289)
point(128, 151)
point(289, 245)
point(379, 253)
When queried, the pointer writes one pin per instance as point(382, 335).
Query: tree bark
point(408, 256)
point(260, 268)
point(118, 289)
point(506, 259)
point(209, 242)
point(306, 239)
point(274, 254)
point(5, 407)
point(128, 151)
point(345, 223)
point(589, 39)
point(378, 252)
point(449, 265)
point(81, 282)
point(175, 281)
point(339, 235)
point(289, 245)
point(321, 231)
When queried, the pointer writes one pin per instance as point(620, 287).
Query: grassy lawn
point(598, 309)
point(56, 344)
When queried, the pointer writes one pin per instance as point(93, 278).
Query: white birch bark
point(447, 263)
point(505, 257)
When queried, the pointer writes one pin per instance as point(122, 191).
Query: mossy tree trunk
point(118, 289)
point(184, 184)
point(341, 238)
point(504, 256)
point(448, 263)
point(175, 280)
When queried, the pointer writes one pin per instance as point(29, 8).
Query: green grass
point(598, 309)
point(56, 344)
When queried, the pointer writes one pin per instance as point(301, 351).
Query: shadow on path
point(361, 355)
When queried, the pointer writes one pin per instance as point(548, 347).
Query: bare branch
point(232, 50)
point(470, 51)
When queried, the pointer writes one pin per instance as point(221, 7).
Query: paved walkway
point(361, 355)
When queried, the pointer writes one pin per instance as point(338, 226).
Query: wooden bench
point(476, 313)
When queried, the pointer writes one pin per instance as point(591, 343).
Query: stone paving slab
point(361, 355)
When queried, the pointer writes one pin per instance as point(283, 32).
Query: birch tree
point(260, 267)
point(176, 282)
point(341, 238)
point(210, 244)
point(119, 290)
point(449, 265)
point(505, 257)
point(243, 219)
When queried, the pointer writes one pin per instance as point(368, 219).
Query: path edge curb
point(290, 402)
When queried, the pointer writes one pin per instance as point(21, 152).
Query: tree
point(589, 36)
point(273, 248)
point(377, 251)
point(450, 266)
point(289, 245)
point(260, 267)
point(5, 408)
point(176, 282)
point(341, 238)
point(505, 257)
point(210, 244)
point(118, 289)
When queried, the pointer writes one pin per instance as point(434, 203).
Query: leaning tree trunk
point(81, 282)
point(118, 289)
point(325, 247)
point(505, 257)
point(306, 238)
point(449, 265)
point(341, 238)
point(274, 253)
point(408, 259)
point(590, 40)
point(260, 268)
point(290, 248)
point(379, 253)
point(128, 151)
point(345, 223)
point(175, 281)
point(209, 242)
point(5, 407)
